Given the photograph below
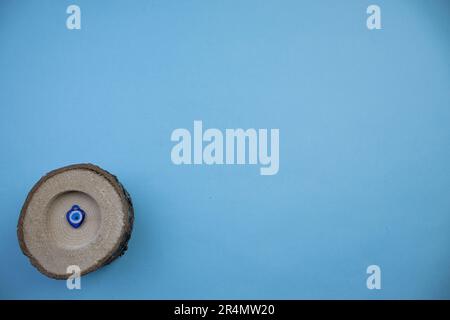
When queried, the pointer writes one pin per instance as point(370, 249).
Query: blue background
point(364, 143)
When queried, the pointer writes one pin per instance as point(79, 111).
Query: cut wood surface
point(52, 243)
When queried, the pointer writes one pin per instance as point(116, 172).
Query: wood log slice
point(76, 215)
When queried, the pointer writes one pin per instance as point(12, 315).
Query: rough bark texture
point(122, 244)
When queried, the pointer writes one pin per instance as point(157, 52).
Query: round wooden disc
point(54, 237)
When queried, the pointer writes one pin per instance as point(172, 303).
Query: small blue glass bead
point(75, 216)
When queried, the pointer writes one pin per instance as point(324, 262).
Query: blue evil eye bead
point(75, 216)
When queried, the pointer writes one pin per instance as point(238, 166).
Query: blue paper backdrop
point(364, 143)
